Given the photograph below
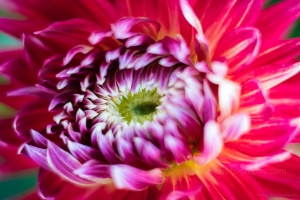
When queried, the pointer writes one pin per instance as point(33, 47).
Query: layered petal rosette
point(155, 100)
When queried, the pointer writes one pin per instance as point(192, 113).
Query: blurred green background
point(10, 186)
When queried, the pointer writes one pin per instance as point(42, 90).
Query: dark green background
point(13, 185)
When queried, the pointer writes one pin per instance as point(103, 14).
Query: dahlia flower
point(172, 99)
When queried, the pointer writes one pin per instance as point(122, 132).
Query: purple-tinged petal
point(122, 28)
point(149, 153)
point(139, 40)
point(126, 151)
point(60, 100)
point(157, 48)
point(107, 149)
point(127, 177)
point(126, 58)
point(177, 147)
point(30, 91)
point(64, 164)
point(143, 60)
point(98, 36)
point(95, 172)
point(83, 152)
point(213, 143)
point(209, 104)
point(38, 155)
point(177, 48)
point(76, 136)
point(38, 139)
point(74, 51)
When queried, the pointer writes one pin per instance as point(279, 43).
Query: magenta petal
point(64, 164)
point(239, 47)
point(76, 50)
point(127, 177)
point(149, 153)
point(177, 147)
point(83, 152)
point(31, 91)
point(107, 149)
point(60, 100)
point(270, 75)
point(219, 18)
point(70, 32)
point(127, 152)
point(95, 172)
point(17, 27)
point(272, 28)
point(122, 29)
point(280, 52)
point(209, 104)
point(39, 139)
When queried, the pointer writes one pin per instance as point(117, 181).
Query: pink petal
point(127, 177)
point(122, 29)
point(219, 18)
point(95, 172)
point(190, 16)
point(83, 152)
point(64, 164)
point(38, 155)
point(239, 47)
point(235, 125)
point(280, 52)
point(213, 143)
point(288, 11)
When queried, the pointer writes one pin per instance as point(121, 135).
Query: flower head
point(168, 100)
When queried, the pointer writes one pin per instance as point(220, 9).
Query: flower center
point(144, 108)
point(139, 107)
